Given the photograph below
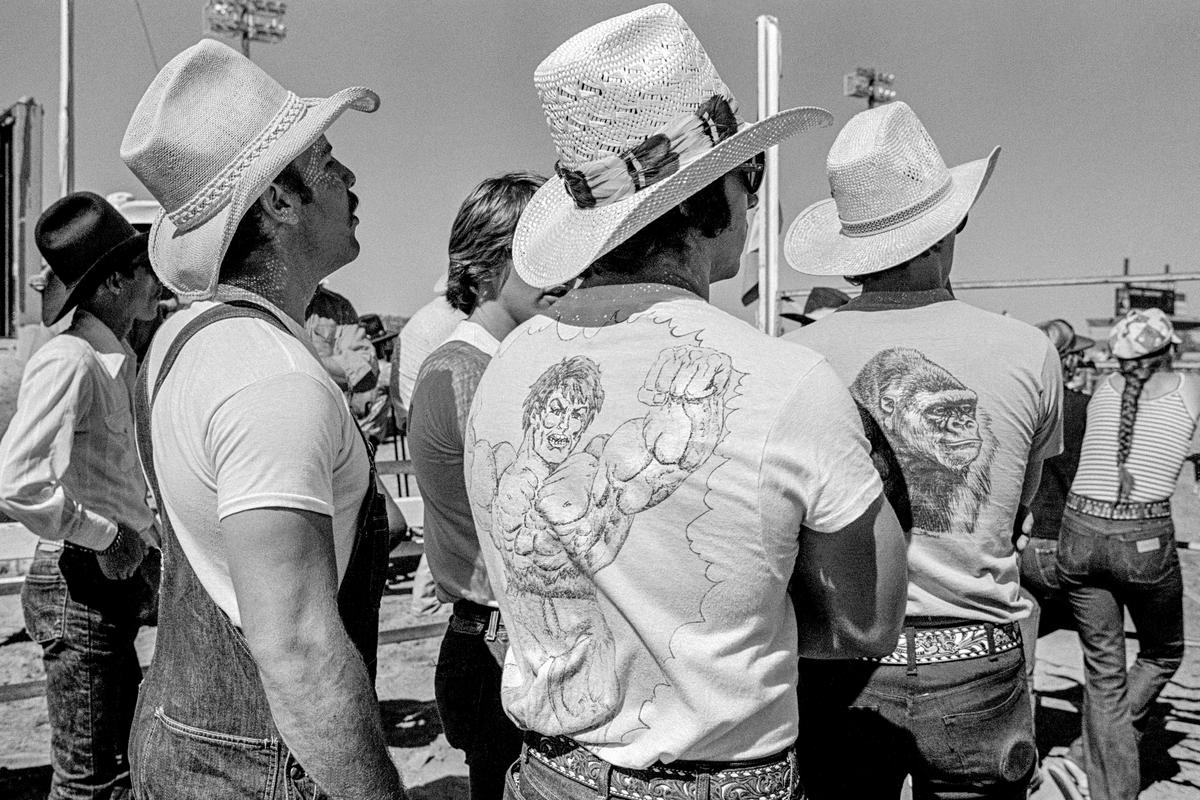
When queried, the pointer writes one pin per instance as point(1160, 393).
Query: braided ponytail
point(1135, 372)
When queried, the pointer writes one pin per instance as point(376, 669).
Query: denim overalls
point(203, 728)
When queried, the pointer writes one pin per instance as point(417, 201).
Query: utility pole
point(768, 104)
point(871, 83)
point(247, 21)
point(66, 98)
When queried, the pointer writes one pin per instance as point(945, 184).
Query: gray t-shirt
point(440, 402)
point(968, 400)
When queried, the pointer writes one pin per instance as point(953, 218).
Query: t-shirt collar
point(597, 306)
point(475, 335)
point(225, 293)
point(896, 301)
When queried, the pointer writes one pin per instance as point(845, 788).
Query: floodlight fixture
point(247, 20)
point(871, 83)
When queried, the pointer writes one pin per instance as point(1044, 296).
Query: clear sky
point(1094, 104)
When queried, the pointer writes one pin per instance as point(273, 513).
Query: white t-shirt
point(967, 399)
point(639, 489)
point(246, 419)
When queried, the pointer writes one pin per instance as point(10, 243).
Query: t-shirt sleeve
point(817, 462)
point(1048, 435)
point(274, 444)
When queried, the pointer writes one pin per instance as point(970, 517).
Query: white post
point(66, 99)
point(768, 196)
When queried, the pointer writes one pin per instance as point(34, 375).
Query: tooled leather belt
point(1118, 511)
point(952, 643)
point(771, 778)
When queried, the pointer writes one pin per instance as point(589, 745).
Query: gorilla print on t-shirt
point(940, 436)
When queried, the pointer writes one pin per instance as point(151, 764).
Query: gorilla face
point(948, 422)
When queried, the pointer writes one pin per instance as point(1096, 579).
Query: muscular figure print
point(561, 513)
point(939, 434)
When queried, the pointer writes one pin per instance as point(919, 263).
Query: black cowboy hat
point(821, 299)
point(83, 240)
point(372, 325)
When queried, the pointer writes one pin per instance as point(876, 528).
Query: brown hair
point(481, 238)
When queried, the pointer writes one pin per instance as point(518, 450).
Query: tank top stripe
point(1162, 435)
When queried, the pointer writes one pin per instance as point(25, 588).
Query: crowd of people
point(686, 560)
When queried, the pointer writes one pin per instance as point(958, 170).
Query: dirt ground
point(435, 771)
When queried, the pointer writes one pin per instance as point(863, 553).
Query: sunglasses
point(752, 172)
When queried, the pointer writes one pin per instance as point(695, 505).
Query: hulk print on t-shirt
point(562, 506)
point(940, 436)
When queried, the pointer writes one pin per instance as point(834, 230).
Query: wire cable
point(146, 32)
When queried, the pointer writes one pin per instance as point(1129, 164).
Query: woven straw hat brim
point(188, 262)
point(815, 244)
point(556, 241)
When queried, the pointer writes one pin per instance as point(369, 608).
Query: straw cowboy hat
point(641, 121)
point(207, 138)
point(893, 197)
point(83, 240)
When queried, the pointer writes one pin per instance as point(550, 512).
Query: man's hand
point(1022, 527)
point(121, 559)
point(686, 373)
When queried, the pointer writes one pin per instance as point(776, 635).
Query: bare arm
point(850, 586)
point(285, 579)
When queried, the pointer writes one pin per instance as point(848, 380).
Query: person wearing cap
point(647, 473)
point(969, 403)
point(1039, 576)
point(1116, 549)
point(348, 355)
point(274, 535)
point(372, 408)
point(482, 284)
point(69, 474)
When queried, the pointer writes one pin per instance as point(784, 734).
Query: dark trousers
point(962, 729)
point(1106, 567)
point(466, 685)
point(92, 673)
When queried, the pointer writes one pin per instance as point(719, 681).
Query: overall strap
point(144, 398)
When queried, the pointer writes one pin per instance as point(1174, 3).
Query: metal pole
point(768, 104)
point(66, 96)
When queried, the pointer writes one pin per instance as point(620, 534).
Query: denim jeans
point(962, 729)
point(466, 686)
point(92, 671)
point(1108, 566)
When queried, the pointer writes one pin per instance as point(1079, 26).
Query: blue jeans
point(962, 729)
point(92, 671)
point(1106, 567)
point(466, 686)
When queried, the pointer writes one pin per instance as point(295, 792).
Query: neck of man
point(923, 273)
point(672, 268)
point(273, 276)
point(115, 316)
point(494, 318)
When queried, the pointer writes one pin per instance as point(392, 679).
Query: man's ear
point(115, 282)
point(280, 205)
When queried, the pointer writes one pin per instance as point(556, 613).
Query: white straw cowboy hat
point(893, 197)
point(207, 138)
point(641, 121)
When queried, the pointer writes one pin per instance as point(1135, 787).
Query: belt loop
point(991, 640)
point(910, 635)
point(493, 625)
point(703, 786)
point(603, 787)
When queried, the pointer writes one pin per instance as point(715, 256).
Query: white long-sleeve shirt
point(69, 468)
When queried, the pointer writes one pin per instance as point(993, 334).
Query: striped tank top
point(1162, 434)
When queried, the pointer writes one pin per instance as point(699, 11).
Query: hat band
point(903, 216)
point(205, 203)
point(615, 177)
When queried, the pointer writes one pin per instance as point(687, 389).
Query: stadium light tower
point(247, 20)
point(871, 83)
